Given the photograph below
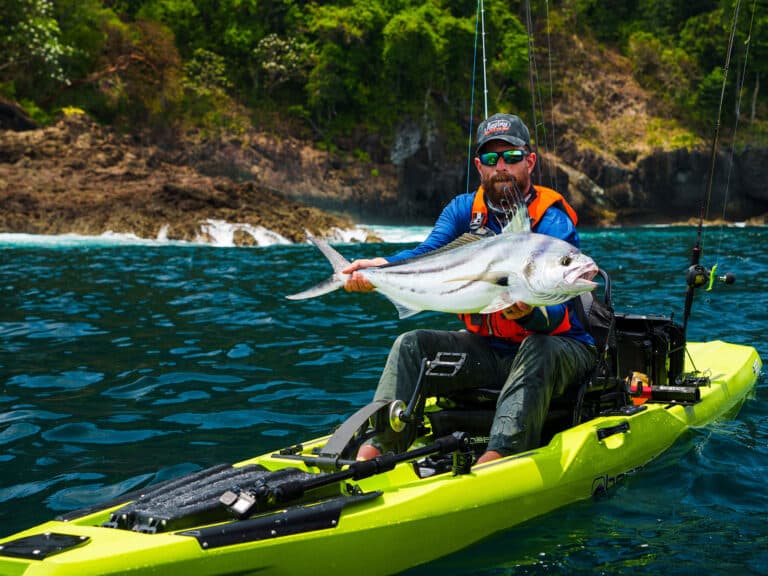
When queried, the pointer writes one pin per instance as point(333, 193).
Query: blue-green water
point(125, 364)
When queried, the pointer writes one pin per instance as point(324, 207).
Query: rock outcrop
point(78, 177)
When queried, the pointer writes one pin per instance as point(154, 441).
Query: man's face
point(503, 175)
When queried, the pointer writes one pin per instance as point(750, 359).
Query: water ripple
point(89, 433)
point(70, 380)
point(17, 431)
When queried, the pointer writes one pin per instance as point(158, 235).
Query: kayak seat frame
point(473, 411)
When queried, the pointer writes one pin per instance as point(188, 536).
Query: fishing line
point(739, 96)
point(543, 140)
point(716, 137)
point(697, 274)
point(479, 24)
point(551, 92)
point(472, 95)
point(510, 203)
point(531, 72)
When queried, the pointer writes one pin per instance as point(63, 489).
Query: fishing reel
point(698, 275)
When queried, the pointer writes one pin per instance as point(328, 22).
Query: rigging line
point(739, 93)
point(543, 140)
point(551, 86)
point(549, 139)
point(485, 61)
point(715, 139)
point(696, 270)
point(531, 69)
point(472, 96)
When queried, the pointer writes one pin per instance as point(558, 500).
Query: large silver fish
point(474, 274)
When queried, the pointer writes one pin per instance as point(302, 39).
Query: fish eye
point(566, 260)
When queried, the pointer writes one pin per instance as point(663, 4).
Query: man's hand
point(356, 282)
point(517, 311)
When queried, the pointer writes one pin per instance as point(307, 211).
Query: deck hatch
point(40, 546)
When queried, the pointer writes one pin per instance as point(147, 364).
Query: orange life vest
point(495, 324)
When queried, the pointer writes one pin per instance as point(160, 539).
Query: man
point(530, 355)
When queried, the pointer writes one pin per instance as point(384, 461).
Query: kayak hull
point(394, 520)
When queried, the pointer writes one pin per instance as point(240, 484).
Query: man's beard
point(502, 190)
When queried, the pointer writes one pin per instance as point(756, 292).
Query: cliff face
point(662, 187)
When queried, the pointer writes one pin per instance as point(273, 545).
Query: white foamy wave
point(399, 234)
point(108, 238)
point(222, 233)
point(348, 235)
point(218, 233)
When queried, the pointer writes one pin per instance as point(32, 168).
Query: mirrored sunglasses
point(509, 156)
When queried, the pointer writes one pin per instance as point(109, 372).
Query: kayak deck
point(395, 519)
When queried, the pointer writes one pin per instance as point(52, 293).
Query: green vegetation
point(338, 71)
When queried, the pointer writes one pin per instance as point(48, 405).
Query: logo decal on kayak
point(601, 484)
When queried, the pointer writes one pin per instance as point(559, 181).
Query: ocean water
point(124, 362)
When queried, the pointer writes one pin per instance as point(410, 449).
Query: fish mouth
point(582, 276)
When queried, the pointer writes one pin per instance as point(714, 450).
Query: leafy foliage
point(31, 45)
point(357, 66)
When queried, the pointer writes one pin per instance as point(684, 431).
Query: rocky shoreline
point(76, 176)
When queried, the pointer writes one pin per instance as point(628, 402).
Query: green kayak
point(309, 508)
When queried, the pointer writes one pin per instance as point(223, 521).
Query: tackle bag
point(652, 345)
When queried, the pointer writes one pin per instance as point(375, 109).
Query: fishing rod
point(698, 275)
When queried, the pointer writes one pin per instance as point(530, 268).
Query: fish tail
point(335, 281)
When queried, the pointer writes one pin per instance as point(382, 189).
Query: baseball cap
point(506, 127)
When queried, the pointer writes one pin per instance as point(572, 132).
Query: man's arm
point(447, 228)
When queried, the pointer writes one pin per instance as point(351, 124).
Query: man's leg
point(483, 367)
point(545, 366)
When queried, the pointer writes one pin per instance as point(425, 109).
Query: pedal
point(446, 364)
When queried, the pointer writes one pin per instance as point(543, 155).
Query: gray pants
point(543, 368)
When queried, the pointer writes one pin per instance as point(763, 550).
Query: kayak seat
point(472, 411)
point(602, 392)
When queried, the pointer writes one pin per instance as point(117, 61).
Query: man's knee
point(411, 339)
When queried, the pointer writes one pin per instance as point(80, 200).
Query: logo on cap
point(499, 125)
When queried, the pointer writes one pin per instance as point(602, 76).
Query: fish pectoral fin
point(403, 311)
point(503, 300)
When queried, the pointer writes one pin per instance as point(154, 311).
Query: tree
point(345, 75)
point(31, 47)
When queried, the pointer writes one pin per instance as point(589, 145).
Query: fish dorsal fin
point(462, 240)
point(519, 219)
